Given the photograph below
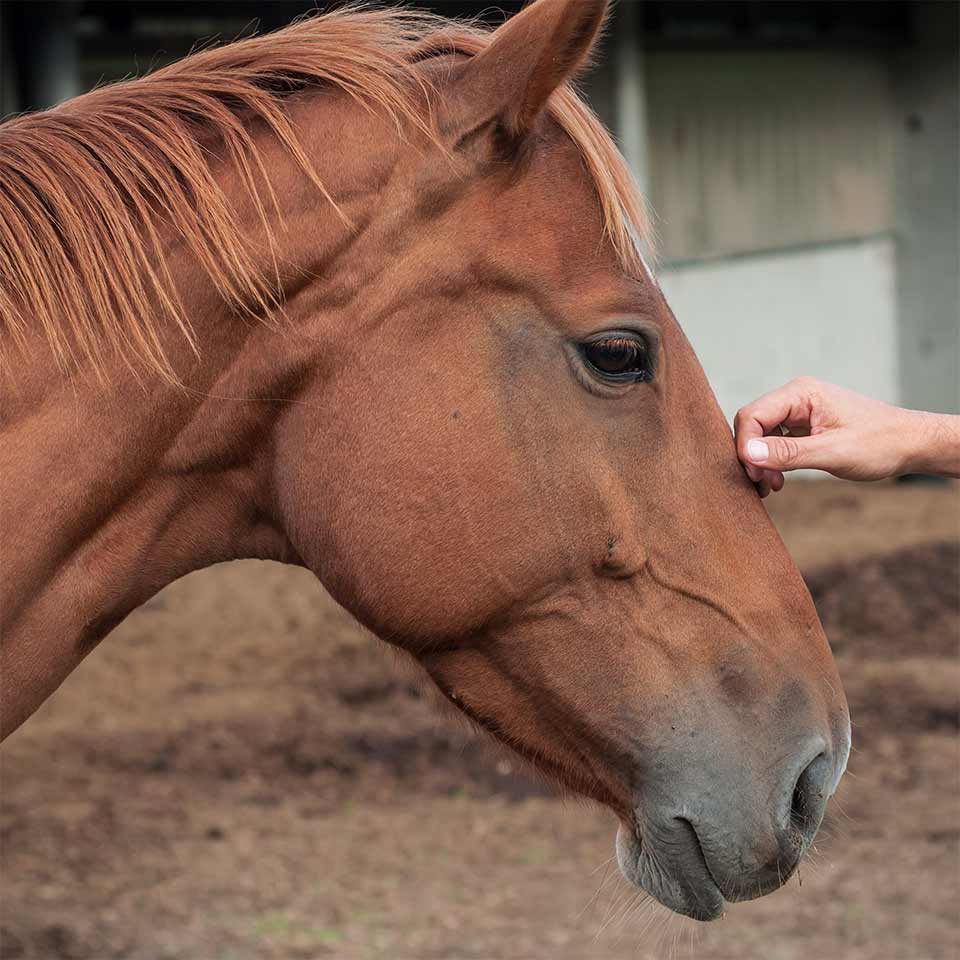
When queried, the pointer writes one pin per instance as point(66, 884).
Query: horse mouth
point(674, 872)
point(670, 864)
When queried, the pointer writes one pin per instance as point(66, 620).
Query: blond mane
point(88, 190)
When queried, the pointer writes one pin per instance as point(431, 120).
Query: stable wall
point(927, 78)
point(759, 320)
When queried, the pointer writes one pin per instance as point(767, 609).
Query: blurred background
point(240, 772)
point(800, 159)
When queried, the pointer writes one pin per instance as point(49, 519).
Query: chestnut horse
point(365, 295)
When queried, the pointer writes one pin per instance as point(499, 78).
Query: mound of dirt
point(895, 605)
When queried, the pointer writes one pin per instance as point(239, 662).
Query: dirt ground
point(240, 772)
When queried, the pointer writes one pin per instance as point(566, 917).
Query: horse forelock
point(88, 189)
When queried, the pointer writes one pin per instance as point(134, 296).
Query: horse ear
point(530, 56)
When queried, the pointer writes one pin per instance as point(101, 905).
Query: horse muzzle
point(720, 832)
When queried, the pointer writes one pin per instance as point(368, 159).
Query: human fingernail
point(757, 451)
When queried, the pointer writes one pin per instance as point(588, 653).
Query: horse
point(368, 295)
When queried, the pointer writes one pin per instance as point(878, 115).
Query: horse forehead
point(550, 209)
point(557, 179)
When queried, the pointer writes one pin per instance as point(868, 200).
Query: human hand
point(810, 424)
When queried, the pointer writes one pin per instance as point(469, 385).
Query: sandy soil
point(240, 772)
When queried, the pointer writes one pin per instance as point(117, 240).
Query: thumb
point(788, 453)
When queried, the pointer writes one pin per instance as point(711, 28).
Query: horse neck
point(111, 492)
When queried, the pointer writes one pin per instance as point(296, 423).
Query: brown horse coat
point(365, 295)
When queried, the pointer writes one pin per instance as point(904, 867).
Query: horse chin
point(685, 886)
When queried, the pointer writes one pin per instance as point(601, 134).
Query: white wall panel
point(758, 321)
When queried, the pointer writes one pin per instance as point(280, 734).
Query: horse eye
point(619, 356)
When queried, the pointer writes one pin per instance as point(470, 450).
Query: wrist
point(931, 444)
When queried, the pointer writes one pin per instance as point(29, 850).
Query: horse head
point(523, 479)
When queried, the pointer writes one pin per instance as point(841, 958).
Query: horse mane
point(90, 189)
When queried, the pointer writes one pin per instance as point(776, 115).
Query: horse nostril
point(810, 796)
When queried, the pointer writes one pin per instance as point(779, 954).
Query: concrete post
point(44, 47)
point(926, 78)
point(630, 90)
